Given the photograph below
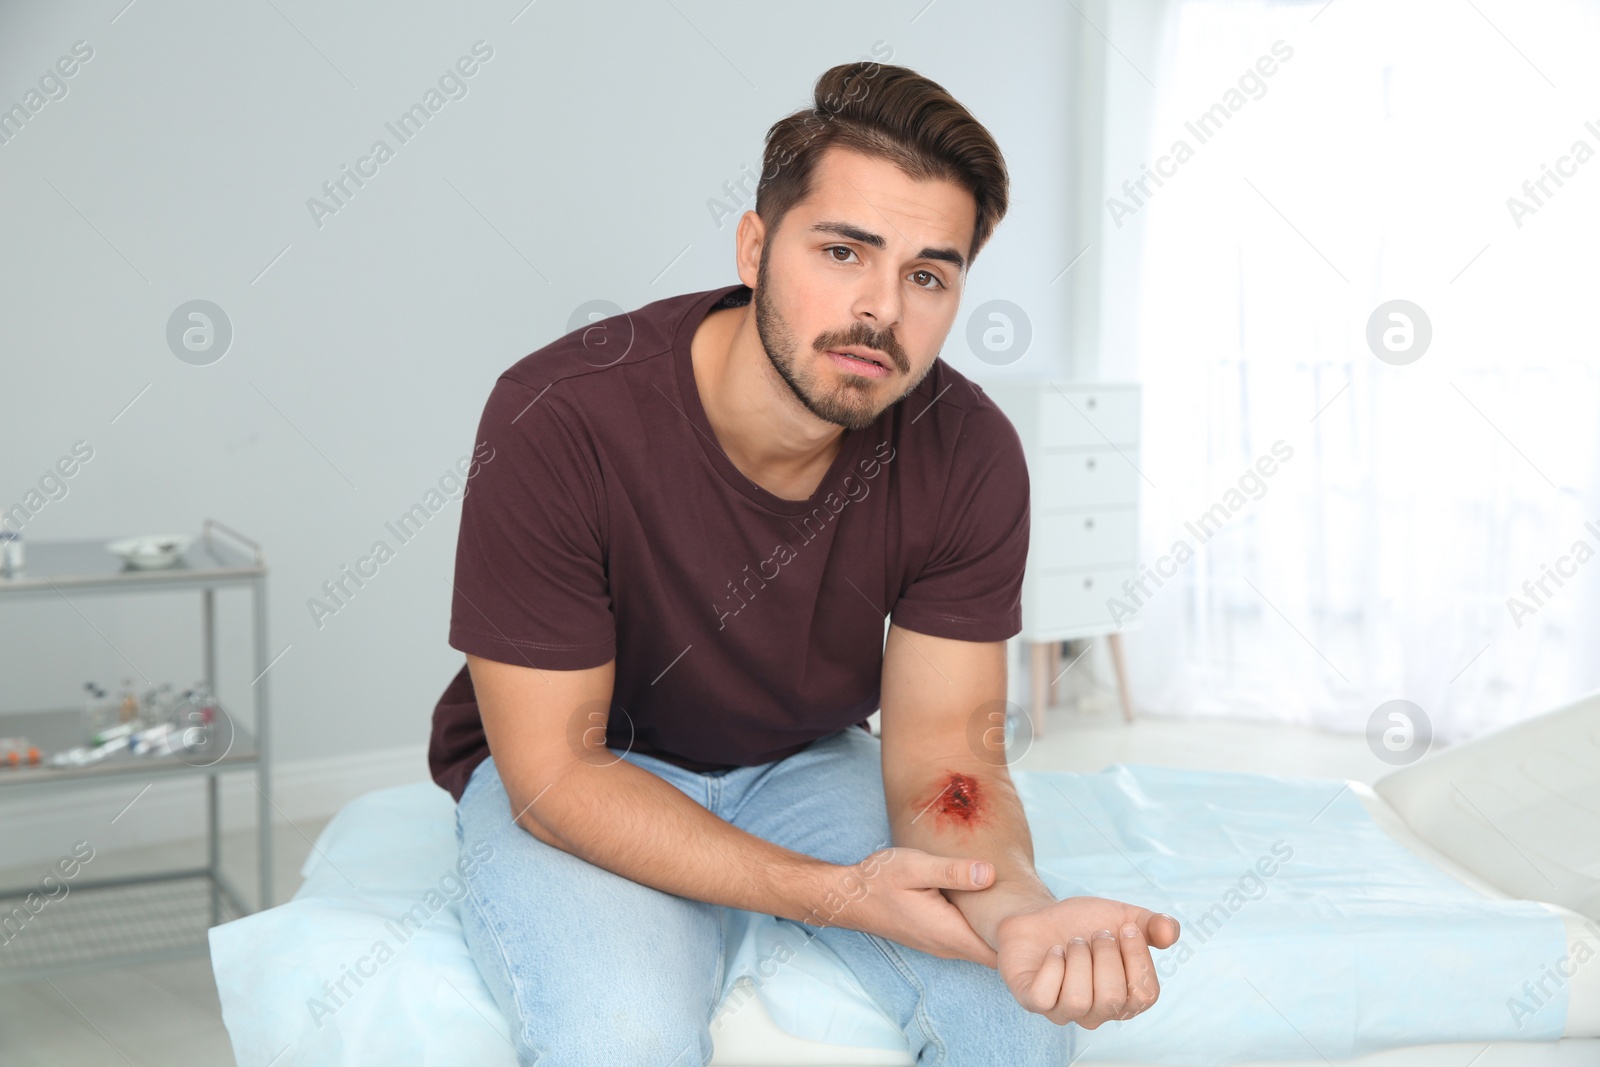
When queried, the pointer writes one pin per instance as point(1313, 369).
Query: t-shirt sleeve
point(530, 576)
point(970, 588)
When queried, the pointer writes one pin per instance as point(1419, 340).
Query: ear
point(748, 241)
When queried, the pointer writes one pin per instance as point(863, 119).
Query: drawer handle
point(1089, 403)
point(1088, 524)
point(1090, 462)
point(1088, 583)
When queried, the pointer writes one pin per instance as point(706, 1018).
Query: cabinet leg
point(1039, 690)
point(214, 845)
point(208, 627)
point(263, 745)
point(1055, 670)
point(1115, 641)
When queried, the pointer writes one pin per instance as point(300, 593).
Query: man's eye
point(938, 283)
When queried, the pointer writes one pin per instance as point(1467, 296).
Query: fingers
point(1077, 989)
point(950, 936)
point(965, 941)
point(1074, 983)
point(1039, 989)
point(942, 930)
point(1142, 985)
point(1109, 976)
point(1123, 982)
point(1101, 973)
point(1111, 983)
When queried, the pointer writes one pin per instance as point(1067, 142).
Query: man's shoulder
point(958, 411)
point(604, 341)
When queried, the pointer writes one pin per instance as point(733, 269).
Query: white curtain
point(1375, 163)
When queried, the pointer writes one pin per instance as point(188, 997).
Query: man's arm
point(546, 730)
point(1082, 959)
point(944, 768)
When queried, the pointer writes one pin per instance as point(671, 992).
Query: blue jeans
point(591, 967)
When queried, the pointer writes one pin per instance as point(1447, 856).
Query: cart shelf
point(164, 914)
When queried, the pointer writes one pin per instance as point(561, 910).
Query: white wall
point(578, 166)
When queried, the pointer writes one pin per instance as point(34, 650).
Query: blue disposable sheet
point(1308, 932)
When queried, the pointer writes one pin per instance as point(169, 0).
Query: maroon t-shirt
point(607, 523)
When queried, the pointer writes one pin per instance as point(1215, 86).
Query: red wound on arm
point(961, 800)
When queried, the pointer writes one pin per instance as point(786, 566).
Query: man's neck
point(761, 426)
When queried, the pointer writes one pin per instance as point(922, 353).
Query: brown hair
point(890, 113)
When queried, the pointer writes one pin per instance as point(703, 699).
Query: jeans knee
point(969, 1014)
point(624, 1037)
point(557, 1025)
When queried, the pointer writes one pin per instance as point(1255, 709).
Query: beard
point(844, 400)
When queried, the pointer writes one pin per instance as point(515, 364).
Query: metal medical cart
point(159, 915)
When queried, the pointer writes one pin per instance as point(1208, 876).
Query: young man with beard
point(675, 632)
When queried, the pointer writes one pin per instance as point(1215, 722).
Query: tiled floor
point(160, 1014)
point(167, 1014)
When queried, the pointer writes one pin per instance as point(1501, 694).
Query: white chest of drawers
point(1081, 441)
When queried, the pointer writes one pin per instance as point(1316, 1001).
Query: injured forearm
point(963, 808)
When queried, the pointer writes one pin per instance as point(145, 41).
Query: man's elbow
point(530, 799)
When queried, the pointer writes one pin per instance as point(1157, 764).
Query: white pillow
point(1518, 807)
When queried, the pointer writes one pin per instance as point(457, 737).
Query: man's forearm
point(633, 823)
point(965, 810)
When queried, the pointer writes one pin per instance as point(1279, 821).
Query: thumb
point(1160, 929)
point(950, 873)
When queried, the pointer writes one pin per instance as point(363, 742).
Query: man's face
point(862, 262)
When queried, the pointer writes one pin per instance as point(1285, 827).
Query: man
point(672, 587)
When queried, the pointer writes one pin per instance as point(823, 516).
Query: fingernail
point(980, 872)
point(1078, 941)
point(1129, 930)
point(1101, 933)
point(1058, 951)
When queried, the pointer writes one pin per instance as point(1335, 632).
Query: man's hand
point(1056, 966)
point(894, 893)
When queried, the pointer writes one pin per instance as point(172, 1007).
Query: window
point(1384, 159)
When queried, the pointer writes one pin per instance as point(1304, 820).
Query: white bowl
point(151, 550)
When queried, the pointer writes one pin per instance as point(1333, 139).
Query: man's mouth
point(863, 363)
point(859, 364)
